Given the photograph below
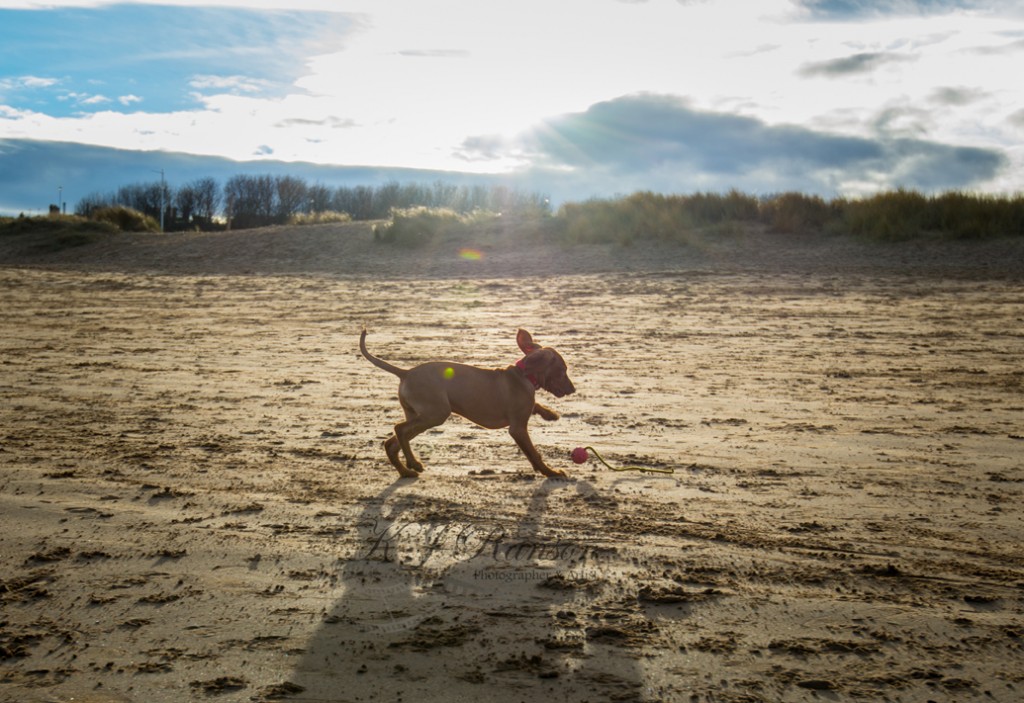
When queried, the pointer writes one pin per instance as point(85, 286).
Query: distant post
point(163, 189)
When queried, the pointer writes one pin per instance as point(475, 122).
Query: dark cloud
point(929, 166)
point(641, 131)
point(484, 148)
point(848, 65)
point(957, 97)
point(902, 120)
point(660, 143)
point(31, 171)
point(868, 9)
point(999, 49)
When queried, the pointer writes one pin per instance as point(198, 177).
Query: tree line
point(246, 201)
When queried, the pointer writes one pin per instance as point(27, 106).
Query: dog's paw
point(545, 412)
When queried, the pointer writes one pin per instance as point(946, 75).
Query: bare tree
point(185, 203)
point(320, 198)
point(250, 200)
point(92, 202)
point(207, 195)
point(292, 197)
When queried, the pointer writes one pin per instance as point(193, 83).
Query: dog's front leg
point(521, 435)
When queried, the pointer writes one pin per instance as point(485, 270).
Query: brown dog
point(431, 392)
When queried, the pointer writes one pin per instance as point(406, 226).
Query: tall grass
point(416, 226)
point(326, 217)
point(903, 214)
point(654, 216)
point(797, 212)
point(887, 216)
point(126, 219)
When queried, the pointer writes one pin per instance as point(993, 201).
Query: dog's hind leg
point(416, 422)
point(391, 447)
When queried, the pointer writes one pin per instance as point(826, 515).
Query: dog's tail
point(379, 363)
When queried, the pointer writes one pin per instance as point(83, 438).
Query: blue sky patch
point(127, 57)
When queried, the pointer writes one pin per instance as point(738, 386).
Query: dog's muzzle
point(563, 391)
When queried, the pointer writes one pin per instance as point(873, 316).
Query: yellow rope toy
point(580, 455)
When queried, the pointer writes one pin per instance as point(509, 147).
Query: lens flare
point(470, 254)
point(449, 373)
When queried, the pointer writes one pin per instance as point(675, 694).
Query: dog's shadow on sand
point(441, 605)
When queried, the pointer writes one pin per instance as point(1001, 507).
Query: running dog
point(492, 398)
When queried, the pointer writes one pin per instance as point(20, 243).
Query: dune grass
point(888, 216)
point(126, 219)
point(647, 215)
point(416, 226)
point(327, 217)
point(903, 214)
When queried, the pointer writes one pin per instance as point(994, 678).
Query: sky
point(577, 98)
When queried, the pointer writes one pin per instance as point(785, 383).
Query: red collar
point(521, 365)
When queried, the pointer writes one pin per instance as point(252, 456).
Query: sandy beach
point(195, 504)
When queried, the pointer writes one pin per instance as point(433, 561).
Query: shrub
point(126, 219)
point(416, 226)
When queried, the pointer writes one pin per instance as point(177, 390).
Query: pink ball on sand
point(579, 455)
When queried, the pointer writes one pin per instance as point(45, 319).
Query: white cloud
point(19, 83)
point(231, 84)
point(37, 81)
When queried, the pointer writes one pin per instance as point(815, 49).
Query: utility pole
point(60, 199)
point(163, 189)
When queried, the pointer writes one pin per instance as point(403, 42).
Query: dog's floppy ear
point(525, 342)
